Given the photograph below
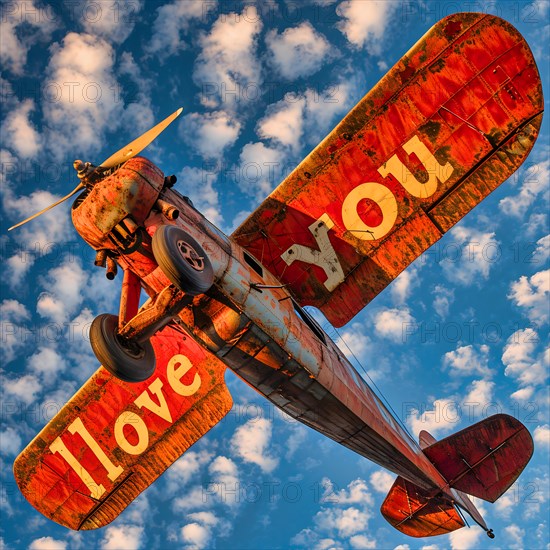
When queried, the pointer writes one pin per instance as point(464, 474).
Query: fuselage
point(250, 322)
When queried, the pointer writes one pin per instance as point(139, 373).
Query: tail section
point(483, 460)
point(419, 513)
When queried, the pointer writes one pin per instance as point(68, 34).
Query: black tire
point(183, 260)
point(130, 362)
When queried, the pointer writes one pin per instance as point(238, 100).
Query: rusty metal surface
point(485, 459)
point(450, 121)
point(141, 429)
point(418, 513)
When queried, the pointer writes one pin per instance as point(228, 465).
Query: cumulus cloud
point(227, 63)
point(185, 469)
point(443, 299)
point(468, 361)
point(472, 256)
point(84, 102)
point(24, 388)
point(13, 315)
point(172, 23)
point(442, 418)
point(47, 543)
point(19, 132)
point(535, 185)
point(10, 442)
point(65, 285)
point(402, 286)
point(365, 28)
point(283, 122)
point(199, 185)
point(251, 442)
point(391, 323)
point(129, 537)
point(298, 51)
point(382, 481)
point(209, 134)
point(541, 435)
point(47, 364)
point(109, 19)
point(514, 536)
point(519, 357)
point(532, 294)
point(199, 532)
point(465, 539)
point(36, 20)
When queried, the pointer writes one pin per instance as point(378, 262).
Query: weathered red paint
point(470, 91)
point(437, 96)
point(55, 489)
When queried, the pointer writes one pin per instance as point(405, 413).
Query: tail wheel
point(183, 260)
point(129, 361)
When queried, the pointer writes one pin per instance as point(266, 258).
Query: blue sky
point(460, 335)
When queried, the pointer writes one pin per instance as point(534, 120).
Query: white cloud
point(65, 287)
point(199, 185)
point(13, 315)
point(363, 26)
point(210, 134)
point(227, 64)
point(129, 537)
point(533, 295)
point(465, 538)
point(391, 323)
point(519, 358)
point(110, 19)
point(172, 23)
point(260, 169)
point(19, 132)
point(480, 394)
point(198, 536)
point(47, 543)
point(523, 394)
point(47, 364)
point(362, 541)
point(83, 102)
point(535, 183)
point(541, 435)
point(10, 442)
point(185, 469)
point(382, 481)
point(298, 51)
point(472, 256)
point(442, 418)
point(467, 361)
point(344, 522)
point(25, 388)
point(223, 471)
point(541, 254)
point(23, 24)
point(402, 286)
point(355, 339)
point(443, 299)
point(283, 122)
point(251, 442)
point(514, 536)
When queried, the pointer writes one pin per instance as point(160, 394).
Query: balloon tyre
point(183, 260)
point(130, 362)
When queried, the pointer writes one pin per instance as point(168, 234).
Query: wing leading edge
point(454, 118)
point(113, 439)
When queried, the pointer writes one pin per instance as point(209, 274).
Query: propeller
point(122, 155)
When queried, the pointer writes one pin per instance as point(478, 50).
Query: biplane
point(452, 120)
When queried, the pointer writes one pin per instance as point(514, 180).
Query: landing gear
point(183, 260)
point(490, 534)
point(128, 360)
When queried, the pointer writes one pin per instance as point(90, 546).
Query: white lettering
point(176, 369)
point(325, 257)
point(128, 418)
point(144, 400)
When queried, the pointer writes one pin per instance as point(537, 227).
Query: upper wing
point(454, 118)
point(113, 439)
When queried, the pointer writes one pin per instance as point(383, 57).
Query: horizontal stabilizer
point(418, 513)
point(485, 459)
point(113, 438)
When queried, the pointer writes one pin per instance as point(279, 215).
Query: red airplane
point(454, 118)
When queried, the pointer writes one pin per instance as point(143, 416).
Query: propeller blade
point(75, 190)
point(136, 146)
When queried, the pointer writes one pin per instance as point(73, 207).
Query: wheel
point(183, 260)
point(128, 361)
